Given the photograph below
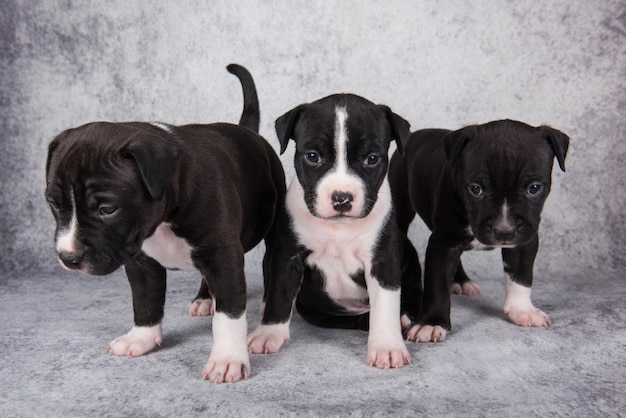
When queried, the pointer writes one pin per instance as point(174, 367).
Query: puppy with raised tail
point(339, 248)
point(151, 197)
point(480, 187)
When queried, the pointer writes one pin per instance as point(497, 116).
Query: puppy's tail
point(251, 114)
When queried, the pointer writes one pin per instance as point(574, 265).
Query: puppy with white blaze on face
point(339, 252)
point(152, 197)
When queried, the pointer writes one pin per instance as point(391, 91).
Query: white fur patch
point(517, 296)
point(66, 239)
point(385, 346)
point(340, 247)
point(168, 249)
point(164, 126)
point(138, 341)
point(505, 221)
point(341, 139)
point(340, 178)
point(229, 361)
point(519, 308)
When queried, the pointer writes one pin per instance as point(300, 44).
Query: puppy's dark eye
point(535, 188)
point(372, 159)
point(106, 210)
point(475, 189)
point(313, 157)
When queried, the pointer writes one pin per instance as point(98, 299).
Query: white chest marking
point(340, 247)
point(169, 250)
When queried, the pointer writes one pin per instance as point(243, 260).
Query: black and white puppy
point(480, 187)
point(338, 242)
point(152, 197)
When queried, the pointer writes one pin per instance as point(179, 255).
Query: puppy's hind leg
point(281, 288)
point(229, 361)
point(462, 284)
point(202, 304)
point(411, 286)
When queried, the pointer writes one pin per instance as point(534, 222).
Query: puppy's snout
point(505, 233)
point(342, 201)
point(71, 260)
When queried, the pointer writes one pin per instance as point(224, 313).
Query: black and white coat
point(339, 252)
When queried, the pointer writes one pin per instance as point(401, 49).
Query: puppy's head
point(503, 173)
point(341, 155)
point(105, 186)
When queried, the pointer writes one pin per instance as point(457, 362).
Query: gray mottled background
point(439, 64)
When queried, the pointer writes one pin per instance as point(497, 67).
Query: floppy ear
point(51, 148)
point(454, 142)
point(559, 143)
point(156, 159)
point(400, 128)
point(285, 126)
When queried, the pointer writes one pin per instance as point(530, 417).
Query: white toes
point(138, 341)
point(229, 361)
point(267, 339)
point(520, 309)
point(528, 317)
point(426, 333)
point(387, 352)
point(201, 307)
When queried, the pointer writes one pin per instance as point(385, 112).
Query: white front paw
point(519, 308)
point(426, 333)
point(227, 367)
point(201, 307)
point(267, 339)
point(385, 351)
point(229, 361)
point(527, 316)
point(138, 341)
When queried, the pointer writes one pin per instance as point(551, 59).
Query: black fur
point(370, 129)
point(218, 185)
point(435, 178)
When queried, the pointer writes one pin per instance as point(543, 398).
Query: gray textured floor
point(438, 64)
point(54, 329)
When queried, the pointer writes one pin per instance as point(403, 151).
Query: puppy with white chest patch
point(153, 197)
point(480, 187)
point(339, 248)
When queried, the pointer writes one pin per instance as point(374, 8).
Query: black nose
point(71, 260)
point(342, 201)
point(505, 233)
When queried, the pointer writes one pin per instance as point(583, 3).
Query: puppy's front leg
point(440, 265)
point(385, 346)
point(283, 284)
point(518, 269)
point(147, 280)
